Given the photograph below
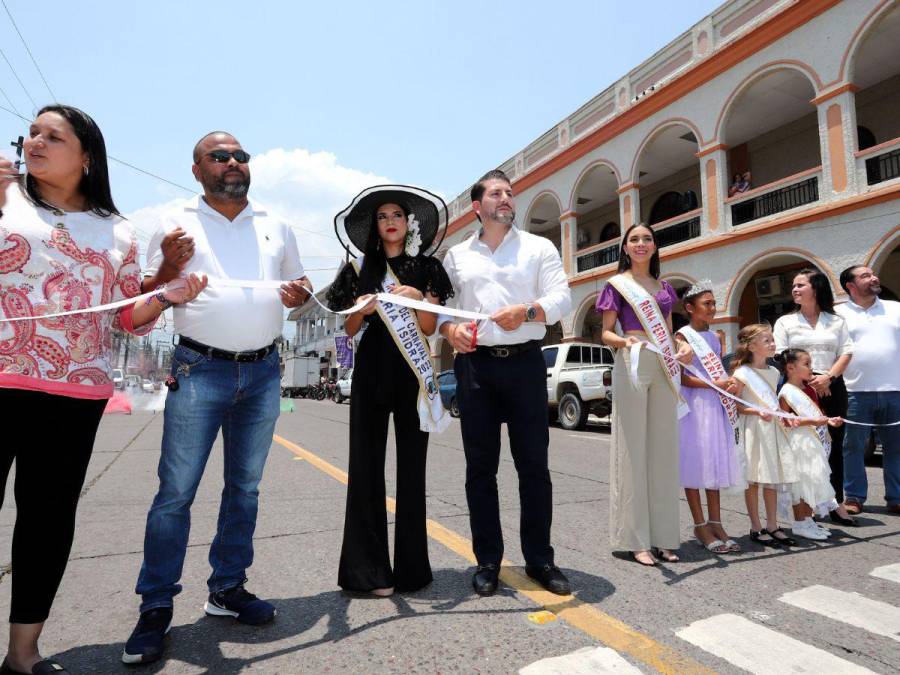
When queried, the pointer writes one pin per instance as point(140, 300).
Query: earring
point(86, 170)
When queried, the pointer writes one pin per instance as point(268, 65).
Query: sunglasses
point(222, 156)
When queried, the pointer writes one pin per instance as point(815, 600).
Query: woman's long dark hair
point(374, 263)
point(94, 187)
point(821, 289)
point(625, 259)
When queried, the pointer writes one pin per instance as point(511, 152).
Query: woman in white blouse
point(817, 329)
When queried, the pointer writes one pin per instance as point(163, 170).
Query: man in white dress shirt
point(873, 385)
point(518, 279)
point(225, 375)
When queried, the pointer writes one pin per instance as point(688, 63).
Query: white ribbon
point(748, 404)
point(389, 298)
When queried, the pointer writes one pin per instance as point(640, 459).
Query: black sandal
point(666, 555)
point(44, 667)
point(784, 540)
point(757, 536)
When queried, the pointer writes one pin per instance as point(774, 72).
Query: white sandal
point(733, 546)
point(715, 546)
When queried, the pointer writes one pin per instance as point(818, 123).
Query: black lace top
point(380, 371)
point(422, 272)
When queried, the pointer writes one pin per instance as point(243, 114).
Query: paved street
point(823, 607)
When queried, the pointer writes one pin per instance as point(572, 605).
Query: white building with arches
point(802, 94)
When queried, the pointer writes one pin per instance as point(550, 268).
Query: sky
point(328, 97)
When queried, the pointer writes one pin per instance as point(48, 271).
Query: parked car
point(147, 386)
point(342, 387)
point(447, 388)
point(579, 382)
point(118, 378)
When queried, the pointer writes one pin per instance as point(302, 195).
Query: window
point(550, 356)
point(574, 356)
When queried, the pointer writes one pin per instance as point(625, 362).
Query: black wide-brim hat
point(354, 222)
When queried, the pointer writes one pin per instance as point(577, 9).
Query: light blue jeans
point(874, 407)
point(243, 400)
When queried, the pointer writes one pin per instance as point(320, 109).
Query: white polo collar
point(198, 205)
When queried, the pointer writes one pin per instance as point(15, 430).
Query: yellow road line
point(581, 615)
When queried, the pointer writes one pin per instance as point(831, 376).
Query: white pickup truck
point(579, 381)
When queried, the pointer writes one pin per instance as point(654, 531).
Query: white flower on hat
point(413, 236)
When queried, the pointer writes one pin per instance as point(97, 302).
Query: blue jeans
point(875, 407)
point(243, 400)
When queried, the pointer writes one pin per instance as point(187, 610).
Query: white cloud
point(306, 188)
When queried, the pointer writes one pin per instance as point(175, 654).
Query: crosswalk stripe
point(585, 661)
point(857, 610)
point(758, 649)
point(889, 572)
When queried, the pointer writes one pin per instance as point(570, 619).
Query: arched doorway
point(542, 218)
point(763, 291)
point(554, 334)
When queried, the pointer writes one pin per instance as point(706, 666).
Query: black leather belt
point(243, 357)
point(504, 351)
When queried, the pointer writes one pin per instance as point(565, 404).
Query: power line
point(16, 75)
point(37, 67)
point(9, 100)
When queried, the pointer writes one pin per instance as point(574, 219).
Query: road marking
point(583, 616)
point(762, 650)
point(585, 661)
point(850, 608)
point(889, 572)
point(542, 617)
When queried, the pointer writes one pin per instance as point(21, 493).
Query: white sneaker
point(808, 530)
point(824, 530)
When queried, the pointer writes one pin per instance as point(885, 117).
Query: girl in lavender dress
point(709, 457)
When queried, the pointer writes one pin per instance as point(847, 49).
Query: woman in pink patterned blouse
point(63, 246)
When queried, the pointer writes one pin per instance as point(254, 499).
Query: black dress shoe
point(838, 518)
point(486, 579)
point(550, 578)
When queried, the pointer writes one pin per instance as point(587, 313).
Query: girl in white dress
point(809, 442)
point(768, 452)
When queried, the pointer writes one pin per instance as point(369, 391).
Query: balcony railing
point(597, 256)
point(776, 197)
point(678, 229)
point(882, 162)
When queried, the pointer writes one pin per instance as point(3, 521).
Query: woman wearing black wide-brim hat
point(394, 227)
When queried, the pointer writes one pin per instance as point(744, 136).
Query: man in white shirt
point(518, 279)
point(873, 385)
point(225, 375)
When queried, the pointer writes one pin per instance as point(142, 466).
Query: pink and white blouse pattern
point(55, 262)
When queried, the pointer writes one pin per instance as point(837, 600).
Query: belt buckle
point(500, 352)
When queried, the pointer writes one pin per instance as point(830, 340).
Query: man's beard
point(505, 217)
point(222, 189)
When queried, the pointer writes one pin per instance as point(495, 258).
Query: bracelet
point(161, 299)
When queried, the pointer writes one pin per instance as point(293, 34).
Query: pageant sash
point(403, 326)
point(651, 318)
point(762, 392)
point(712, 364)
point(804, 406)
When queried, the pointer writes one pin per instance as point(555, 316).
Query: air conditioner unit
point(768, 287)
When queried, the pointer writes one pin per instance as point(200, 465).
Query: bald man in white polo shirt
point(225, 376)
point(873, 385)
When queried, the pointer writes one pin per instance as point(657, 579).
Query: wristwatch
point(163, 300)
point(530, 312)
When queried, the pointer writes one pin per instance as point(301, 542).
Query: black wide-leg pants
point(51, 458)
point(365, 559)
point(492, 390)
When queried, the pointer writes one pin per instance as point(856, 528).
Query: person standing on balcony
point(873, 384)
point(395, 227)
point(647, 402)
point(815, 328)
point(518, 279)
